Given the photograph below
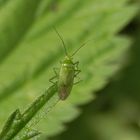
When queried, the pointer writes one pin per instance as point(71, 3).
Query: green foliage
point(115, 113)
point(30, 49)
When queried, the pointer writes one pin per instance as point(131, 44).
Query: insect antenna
point(81, 47)
point(78, 49)
point(61, 40)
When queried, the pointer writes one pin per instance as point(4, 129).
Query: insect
point(68, 71)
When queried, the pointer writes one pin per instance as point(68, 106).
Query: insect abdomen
point(65, 82)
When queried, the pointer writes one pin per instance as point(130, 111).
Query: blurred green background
point(109, 96)
point(115, 113)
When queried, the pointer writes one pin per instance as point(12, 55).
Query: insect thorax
point(68, 63)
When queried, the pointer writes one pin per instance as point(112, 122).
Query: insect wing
point(65, 81)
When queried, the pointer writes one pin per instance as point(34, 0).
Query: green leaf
point(30, 49)
point(16, 17)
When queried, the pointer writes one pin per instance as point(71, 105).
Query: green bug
point(68, 71)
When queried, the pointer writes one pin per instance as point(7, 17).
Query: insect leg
point(51, 79)
point(76, 65)
point(77, 82)
point(54, 77)
point(77, 72)
point(75, 75)
point(55, 71)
